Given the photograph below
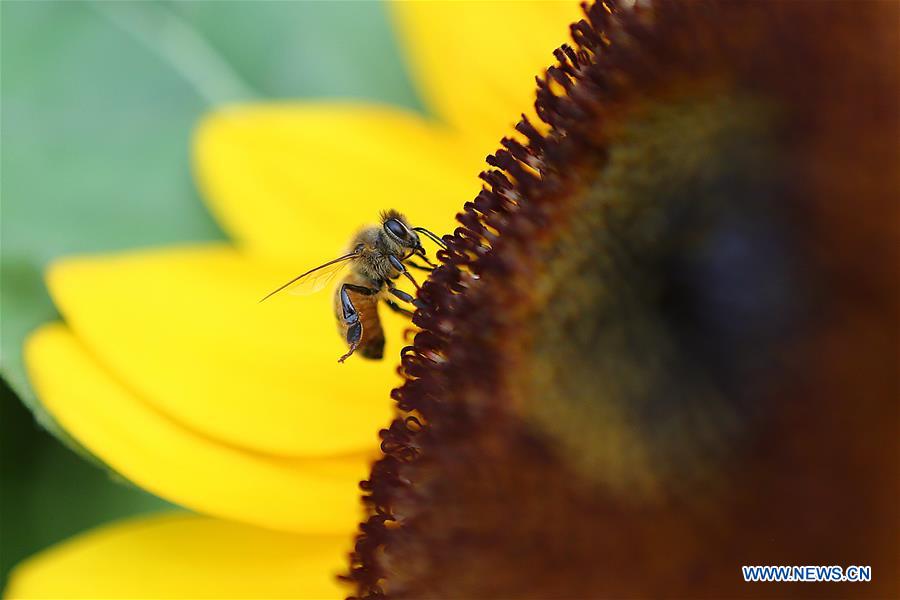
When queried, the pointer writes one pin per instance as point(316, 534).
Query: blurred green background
point(98, 104)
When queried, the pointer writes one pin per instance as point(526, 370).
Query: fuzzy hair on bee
point(376, 258)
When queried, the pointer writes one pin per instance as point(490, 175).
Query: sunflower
point(658, 346)
point(663, 342)
point(167, 370)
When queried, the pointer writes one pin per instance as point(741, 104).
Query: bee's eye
point(396, 228)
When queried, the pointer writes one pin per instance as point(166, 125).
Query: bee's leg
point(398, 309)
point(415, 265)
point(359, 289)
point(420, 251)
point(404, 296)
point(351, 316)
point(354, 334)
point(397, 264)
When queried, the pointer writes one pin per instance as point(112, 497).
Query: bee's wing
point(315, 279)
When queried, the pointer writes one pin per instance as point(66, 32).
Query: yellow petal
point(284, 179)
point(183, 329)
point(184, 556)
point(475, 62)
point(179, 464)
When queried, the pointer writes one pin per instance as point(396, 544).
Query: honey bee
point(377, 257)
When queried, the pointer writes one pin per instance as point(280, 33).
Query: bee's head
point(398, 231)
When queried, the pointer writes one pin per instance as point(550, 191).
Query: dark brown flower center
point(663, 340)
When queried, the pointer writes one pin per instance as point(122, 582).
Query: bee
point(377, 257)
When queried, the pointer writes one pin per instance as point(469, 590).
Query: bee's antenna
point(432, 236)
